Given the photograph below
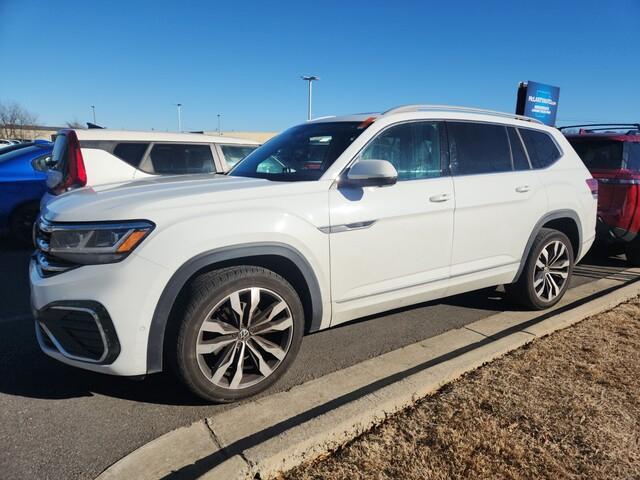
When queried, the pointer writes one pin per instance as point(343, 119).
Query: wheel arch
point(278, 257)
point(565, 221)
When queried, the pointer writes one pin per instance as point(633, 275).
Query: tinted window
point(599, 154)
point(520, 161)
point(300, 153)
point(234, 153)
point(18, 152)
point(633, 155)
point(413, 148)
point(478, 148)
point(4, 149)
point(130, 152)
point(179, 159)
point(540, 146)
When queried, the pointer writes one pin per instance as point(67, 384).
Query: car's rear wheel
point(21, 223)
point(547, 271)
point(240, 330)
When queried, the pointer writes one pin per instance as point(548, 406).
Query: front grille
point(48, 265)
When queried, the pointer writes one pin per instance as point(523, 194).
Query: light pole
point(179, 107)
point(93, 108)
point(310, 79)
point(219, 124)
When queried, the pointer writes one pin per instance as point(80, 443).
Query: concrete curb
point(272, 434)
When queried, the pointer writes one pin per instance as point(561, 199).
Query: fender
point(556, 214)
point(155, 344)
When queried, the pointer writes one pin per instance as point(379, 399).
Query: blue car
point(23, 175)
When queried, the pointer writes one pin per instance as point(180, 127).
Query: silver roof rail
point(452, 108)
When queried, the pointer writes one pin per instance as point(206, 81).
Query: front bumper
point(77, 330)
point(97, 317)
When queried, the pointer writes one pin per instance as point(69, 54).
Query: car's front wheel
point(547, 271)
point(240, 330)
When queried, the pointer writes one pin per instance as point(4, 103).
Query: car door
point(499, 199)
point(391, 245)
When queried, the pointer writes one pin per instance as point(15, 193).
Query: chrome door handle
point(523, 189)
point(443, 197)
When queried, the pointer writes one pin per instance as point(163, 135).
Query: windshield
point(304, 152)
point(23, 149)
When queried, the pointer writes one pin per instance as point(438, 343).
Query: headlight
point(94, 243)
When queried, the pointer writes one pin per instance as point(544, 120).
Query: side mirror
point(370, 173)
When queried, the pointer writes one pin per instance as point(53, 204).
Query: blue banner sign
point(539, 101)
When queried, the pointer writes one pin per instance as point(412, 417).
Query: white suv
point(90, 157)
point(338, 218)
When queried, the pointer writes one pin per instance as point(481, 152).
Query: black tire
point(523, 291)
point(206, 293)
point(632, 251)
point(21, 223)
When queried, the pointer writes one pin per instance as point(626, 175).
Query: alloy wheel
point(551, 271)
point(244, 338)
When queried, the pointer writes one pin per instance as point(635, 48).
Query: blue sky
point(135, 59)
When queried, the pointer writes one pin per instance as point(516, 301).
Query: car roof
point(145, 136)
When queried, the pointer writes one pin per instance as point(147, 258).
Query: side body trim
point(546, 218)
point(155, 344)
point(347, 227)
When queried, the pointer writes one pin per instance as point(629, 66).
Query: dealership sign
point(539, 101)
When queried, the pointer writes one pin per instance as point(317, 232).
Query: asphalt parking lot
point(59, 422)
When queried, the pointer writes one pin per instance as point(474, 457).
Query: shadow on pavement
point(25, 371)
point(207, 463)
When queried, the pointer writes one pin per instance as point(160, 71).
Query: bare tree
point(14, 120)
point(75, 123)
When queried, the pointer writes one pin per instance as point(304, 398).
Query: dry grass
point(566, 406)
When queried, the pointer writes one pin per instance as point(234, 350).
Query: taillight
point(592, 183)
point(76, 174)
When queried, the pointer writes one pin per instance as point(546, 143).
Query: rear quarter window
point(633, 156)
point(131, 153)
point(234, 153)
point(542, 149)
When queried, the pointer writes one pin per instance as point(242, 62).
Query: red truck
point(611, 152)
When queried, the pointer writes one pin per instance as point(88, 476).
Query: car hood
point(140, 199)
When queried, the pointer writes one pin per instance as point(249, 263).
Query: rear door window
point(477, 148)
point(175, 159)
point(542, 150)
point(131, 153)
point(234, 153)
